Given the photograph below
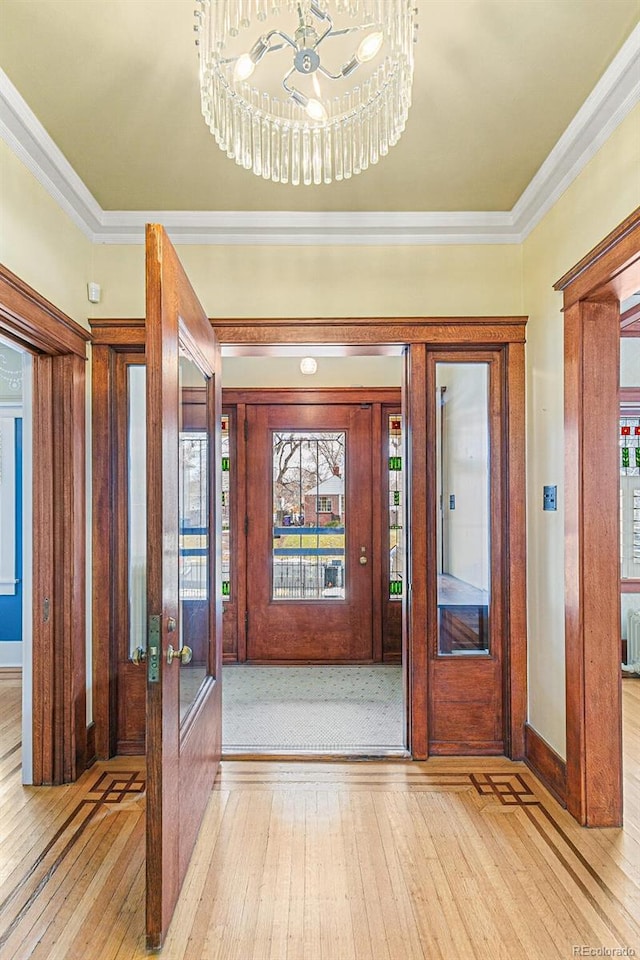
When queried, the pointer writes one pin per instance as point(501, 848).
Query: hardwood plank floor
point(445, 860)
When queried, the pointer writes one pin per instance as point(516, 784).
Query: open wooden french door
point(184, 610)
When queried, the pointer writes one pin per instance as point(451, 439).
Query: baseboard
point(547, 765)
point(91, 744)
point(11, 673)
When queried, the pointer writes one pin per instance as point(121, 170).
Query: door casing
point(417, 336)
point(62, 741)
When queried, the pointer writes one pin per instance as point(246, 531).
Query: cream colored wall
point(341, 281)
point(606, 191)
point(39, 242)
point(43, 246)
point(331, 372)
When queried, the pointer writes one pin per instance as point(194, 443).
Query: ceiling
point(115, 84)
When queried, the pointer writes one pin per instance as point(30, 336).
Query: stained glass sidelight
point(396, 509)
point(629, 497)
point(309, 510)
point(226, 507)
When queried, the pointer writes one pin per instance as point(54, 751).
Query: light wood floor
point(445, 860)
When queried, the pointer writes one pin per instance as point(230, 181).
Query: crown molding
point(613, 97)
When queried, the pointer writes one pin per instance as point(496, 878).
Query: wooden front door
point(309, 532)
point(184, 632)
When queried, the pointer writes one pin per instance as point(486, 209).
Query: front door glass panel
point(194, 542)
point(309, 512)
point(463, 479)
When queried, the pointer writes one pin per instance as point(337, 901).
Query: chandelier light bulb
point(316, 111)
point(244, 68)
point(370, 46)
point(308, 365)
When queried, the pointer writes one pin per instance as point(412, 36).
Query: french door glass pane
point(396, 508)
point(463, 474)
point(194, 542)
point(308, 558)
point(137, 505)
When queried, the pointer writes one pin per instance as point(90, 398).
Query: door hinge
point(246, 429)
point(246, 525)
point(246, 623)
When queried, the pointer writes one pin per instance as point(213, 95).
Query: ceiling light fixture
point(270, 114)
point(308, 365)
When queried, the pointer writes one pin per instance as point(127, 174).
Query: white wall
point(604, 194)
point(630, 362)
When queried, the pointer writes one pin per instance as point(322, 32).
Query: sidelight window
point(463, 531)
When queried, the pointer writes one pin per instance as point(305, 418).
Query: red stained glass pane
point(625, 431)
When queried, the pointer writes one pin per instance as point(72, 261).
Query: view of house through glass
point(308, 516)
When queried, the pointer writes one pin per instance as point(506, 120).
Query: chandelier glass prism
point(306, 91)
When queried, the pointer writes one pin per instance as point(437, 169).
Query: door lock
point(363, 556)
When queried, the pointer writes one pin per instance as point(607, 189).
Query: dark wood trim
point(592, 586)
point(103, 486)
point(35, 323)
point(59, 531)
point(363, 331)
point(416, 594)
point(322, 395)
point(618, 251)
point(91, 744)
point(59, 526)
point(592, 590)
point(548, 766)
point(515, 627)
point(630, 322)
point(630, 586)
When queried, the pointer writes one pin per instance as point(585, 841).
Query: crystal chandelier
point(305, 91)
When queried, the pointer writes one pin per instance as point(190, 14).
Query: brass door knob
point(139, 655)
point(184, 654)
point(363, 561)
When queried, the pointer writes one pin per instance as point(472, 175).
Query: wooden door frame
point(62, 746)
point(416, 334)
point(592, 291)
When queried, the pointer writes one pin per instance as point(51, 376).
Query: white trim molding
point(613, 97)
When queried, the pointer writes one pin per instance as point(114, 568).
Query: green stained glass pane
point(226, 588)
point(396, 498)
point(637, 456)
point(395, 588)
point(225, 464)
point(625, 456)
point(395, 463)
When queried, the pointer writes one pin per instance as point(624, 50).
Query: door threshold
point(383, 753)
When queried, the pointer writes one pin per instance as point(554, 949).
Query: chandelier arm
point(289, 90)
point(329, 76)
point(283, 36)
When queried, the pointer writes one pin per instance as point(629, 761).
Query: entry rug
point(343, 710)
